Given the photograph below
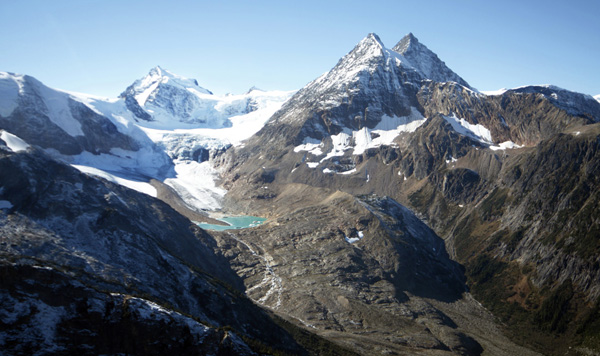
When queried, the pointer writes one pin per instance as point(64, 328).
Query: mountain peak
point(159, 74)
point(156, 71)
point(370, 45)
point(426, 61)
point(157, 78)
point(372, 38)
point(405, 43)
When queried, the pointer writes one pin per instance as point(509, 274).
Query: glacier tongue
point(192, 149)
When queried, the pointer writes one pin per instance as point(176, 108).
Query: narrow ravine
point(271, 279)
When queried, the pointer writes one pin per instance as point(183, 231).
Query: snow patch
point(505, 145)
point(13, 142)
point(347, 172)
point(351, 240)
point(41, 321)
point(341, 143)
point(148, 161)
point(463, 127)
point(312, 164)
point(359, 141)
point(386, 131)
point(451, 160)
point(311, 145)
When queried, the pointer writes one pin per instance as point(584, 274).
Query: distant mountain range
point(407, 212)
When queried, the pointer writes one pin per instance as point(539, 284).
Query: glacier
point(184, 125)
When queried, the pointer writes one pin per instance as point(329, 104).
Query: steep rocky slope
point(507, 180)
point(92, 267)
point(361, 271)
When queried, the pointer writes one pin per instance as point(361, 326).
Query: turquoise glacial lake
point(235, 222)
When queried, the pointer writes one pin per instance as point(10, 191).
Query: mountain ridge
point(456, 157)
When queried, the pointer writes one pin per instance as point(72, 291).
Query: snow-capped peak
point(597, 97)
point(367, 57)
point(369, 49)
point(408, 62)
point(144, 88)
point(426, 61)
point(371, 40)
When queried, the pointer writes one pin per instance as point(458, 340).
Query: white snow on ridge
point(13, 142)
point(242, 125)
point(59, 111)
point(463, 127)
point(494, 92)
point(597, 97)
point(10, 88)
point(142, 187)
point(56, 102)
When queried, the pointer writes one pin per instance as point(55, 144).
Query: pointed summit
point(405, 43)
point(426, 61)
point(371, 40)
point(368, 48)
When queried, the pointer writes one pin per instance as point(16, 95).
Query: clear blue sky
point(101, 46)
